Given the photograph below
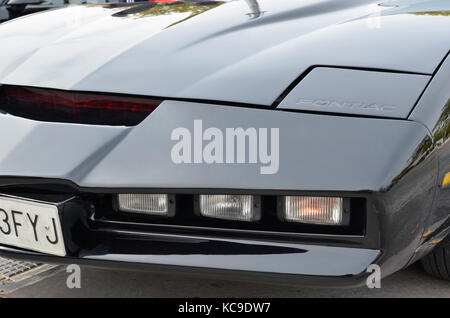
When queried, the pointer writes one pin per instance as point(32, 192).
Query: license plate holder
point(31, 224)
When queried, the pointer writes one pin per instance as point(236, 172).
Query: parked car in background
point(10, 9)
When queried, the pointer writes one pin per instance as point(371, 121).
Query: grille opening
point(186, 216)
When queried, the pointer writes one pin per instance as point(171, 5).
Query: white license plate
point(31, 225)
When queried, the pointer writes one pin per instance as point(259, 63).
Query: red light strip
point(81, 100)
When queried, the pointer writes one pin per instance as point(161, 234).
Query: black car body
point(363, 119)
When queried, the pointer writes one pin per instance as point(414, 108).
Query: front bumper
point(279, 263)
point(276, 257)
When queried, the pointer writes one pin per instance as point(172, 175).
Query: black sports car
point(299, 141)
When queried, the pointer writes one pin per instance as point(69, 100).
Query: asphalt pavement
point(411, 282)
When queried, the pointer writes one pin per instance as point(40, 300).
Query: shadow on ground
point(411, 282)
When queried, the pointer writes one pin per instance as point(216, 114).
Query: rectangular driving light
point(150, 204)
point(314, 210)
point(230, 207)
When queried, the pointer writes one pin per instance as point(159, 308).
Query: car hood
point(245, 51)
